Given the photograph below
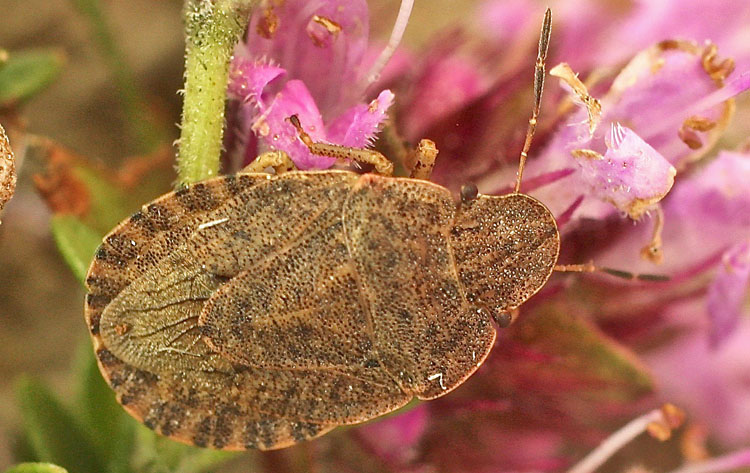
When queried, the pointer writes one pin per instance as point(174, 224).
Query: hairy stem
point(212, 30)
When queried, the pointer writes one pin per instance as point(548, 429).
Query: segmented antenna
point(539, 72)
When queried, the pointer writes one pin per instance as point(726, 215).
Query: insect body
point(256, 311)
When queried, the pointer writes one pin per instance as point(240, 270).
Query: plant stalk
point(212, 30)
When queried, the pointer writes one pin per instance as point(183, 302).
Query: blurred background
point(40, 300)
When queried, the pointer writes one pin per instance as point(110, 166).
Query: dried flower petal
point(727, 292)
point(570, 80)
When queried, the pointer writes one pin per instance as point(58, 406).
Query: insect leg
point(539, 72)
point(382, 164)
point(278, 160)
point(590, 268)
point(424, 159)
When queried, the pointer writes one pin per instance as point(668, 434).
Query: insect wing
point(145, 302)
point(426, 333)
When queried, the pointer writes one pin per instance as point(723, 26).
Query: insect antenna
point(590, 268)
point(539, 72)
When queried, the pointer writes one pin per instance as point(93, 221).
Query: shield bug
point(258, 310)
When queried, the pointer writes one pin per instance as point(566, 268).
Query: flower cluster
point(627, 158)
point(308, 59)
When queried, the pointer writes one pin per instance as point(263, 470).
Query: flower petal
point(667, 96)
point(727, 292)
point(705, 214)
point(632, 175)
point(275, 132)
point(248, 78)
point(358, 125)
point(507, 20)
point(395, 438)
point(710, 384)
point(447, 82)
point(722, 21)
point(655, 95)
point(321, 42)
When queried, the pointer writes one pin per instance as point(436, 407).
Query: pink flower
point(308, 59)
point(395, 439)
point(710, 384)
point(644, 154)
point(626, 162)
point(726, 294)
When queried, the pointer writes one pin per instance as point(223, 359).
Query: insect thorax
point(505, 248)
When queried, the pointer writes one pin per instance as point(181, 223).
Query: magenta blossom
point(625, 162)
point(706, 245)
point(308, 59)
point(643, 154)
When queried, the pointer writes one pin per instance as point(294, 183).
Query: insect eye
point(502, 319)
point(469, 192)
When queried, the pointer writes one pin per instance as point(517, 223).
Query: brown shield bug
point(257, 310)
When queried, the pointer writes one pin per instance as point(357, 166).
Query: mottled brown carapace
point(256, 311)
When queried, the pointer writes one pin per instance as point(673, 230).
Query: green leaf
point(156, 454)
point(111, 427)
point(26, 73)
point(199, 460)
point(53, 433)
point(110, 203)
point(36, 468)
point(76, 241)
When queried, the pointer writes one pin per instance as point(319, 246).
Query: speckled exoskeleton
point(259, 310)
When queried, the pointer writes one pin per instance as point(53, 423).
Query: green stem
point(212, 30)
point(141, 122)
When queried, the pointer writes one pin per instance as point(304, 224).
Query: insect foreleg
point(278, 160)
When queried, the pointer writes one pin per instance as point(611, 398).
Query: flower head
point(308, 59)
point(632, 134)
